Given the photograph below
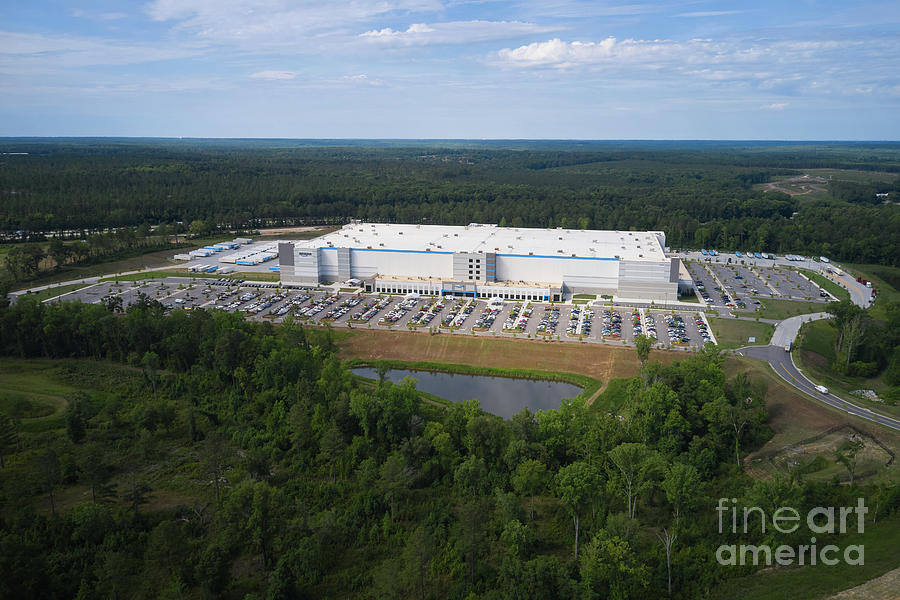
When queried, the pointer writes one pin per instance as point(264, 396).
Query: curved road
point(783, 364)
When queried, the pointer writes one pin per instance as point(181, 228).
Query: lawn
point(821, 581)
point(55, 291)
point(734, 333)
point(828, 285)
point(782, 309)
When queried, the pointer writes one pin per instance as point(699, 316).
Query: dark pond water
point(501, 396)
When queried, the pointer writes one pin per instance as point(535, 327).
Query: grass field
point(828, 285)
point(55, 291)
point(594, 360)
point(30, 392)
point(821, 581)
point(734, 333)
point(782, 309)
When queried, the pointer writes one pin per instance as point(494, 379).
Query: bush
point(863, 369)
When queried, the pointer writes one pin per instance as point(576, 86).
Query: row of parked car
point(427, 314)
point(399, 311)
point(549, 320)
point(676, 329)
point(704, 330)
point(612, 324)
point(459, 313)
point(342, 309)
point(370, 309)
point(316, 307)
point(487, 317)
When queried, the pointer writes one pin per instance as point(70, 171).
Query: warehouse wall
point(366, 263)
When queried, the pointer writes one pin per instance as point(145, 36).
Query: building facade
point(486, 261)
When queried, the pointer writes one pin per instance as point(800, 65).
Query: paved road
point(783, 364)
point(89, 280)
point(787, 330)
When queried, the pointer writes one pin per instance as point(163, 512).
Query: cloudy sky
point(587, 69)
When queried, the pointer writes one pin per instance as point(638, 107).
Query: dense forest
point(296, 479)
point(700, 194)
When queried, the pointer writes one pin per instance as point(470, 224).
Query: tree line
point(296, 479)
point(701, 196)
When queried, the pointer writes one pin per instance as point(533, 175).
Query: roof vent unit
point(455, 235)
point(531, 254)
point(381, 244)
point(573, 254)
point(617, 256)
point(560, 237)
point(560, 251)
point(399, 233)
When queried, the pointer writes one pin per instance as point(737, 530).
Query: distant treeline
point(700, 194)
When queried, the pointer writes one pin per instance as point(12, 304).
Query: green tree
point(680, 485)
point(612, 569)
point(576, 484)
point(529, 479)
point(394, 481)
point(636, 467)
point(846, 455)
point(642, 344)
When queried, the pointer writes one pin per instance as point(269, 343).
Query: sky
point(474, 69)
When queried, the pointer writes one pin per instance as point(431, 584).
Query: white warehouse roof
point(626, 245)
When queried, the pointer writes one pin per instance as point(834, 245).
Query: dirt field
point(595, 360)
point(869, 460)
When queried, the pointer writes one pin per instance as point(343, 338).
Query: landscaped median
point(735, 333)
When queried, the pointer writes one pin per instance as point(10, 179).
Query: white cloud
point(26, 49)
point(710, 13)
point(557, 53)
point(774, 106)
point(274, 75)
point(454, 32)
point(267, 23)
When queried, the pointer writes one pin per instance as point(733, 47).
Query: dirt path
point(881, 588)
point(595, 360)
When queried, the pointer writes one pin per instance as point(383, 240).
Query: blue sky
point(798, 69)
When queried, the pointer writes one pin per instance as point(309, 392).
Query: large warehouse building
point(486, 261)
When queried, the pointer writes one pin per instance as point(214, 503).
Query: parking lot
point(743, 286)
point(456, 316)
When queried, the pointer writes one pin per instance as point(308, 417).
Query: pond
point(503, 396)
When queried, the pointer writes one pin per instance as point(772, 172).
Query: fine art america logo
point(752, 520)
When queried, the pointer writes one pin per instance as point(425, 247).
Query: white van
point(821, 389)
